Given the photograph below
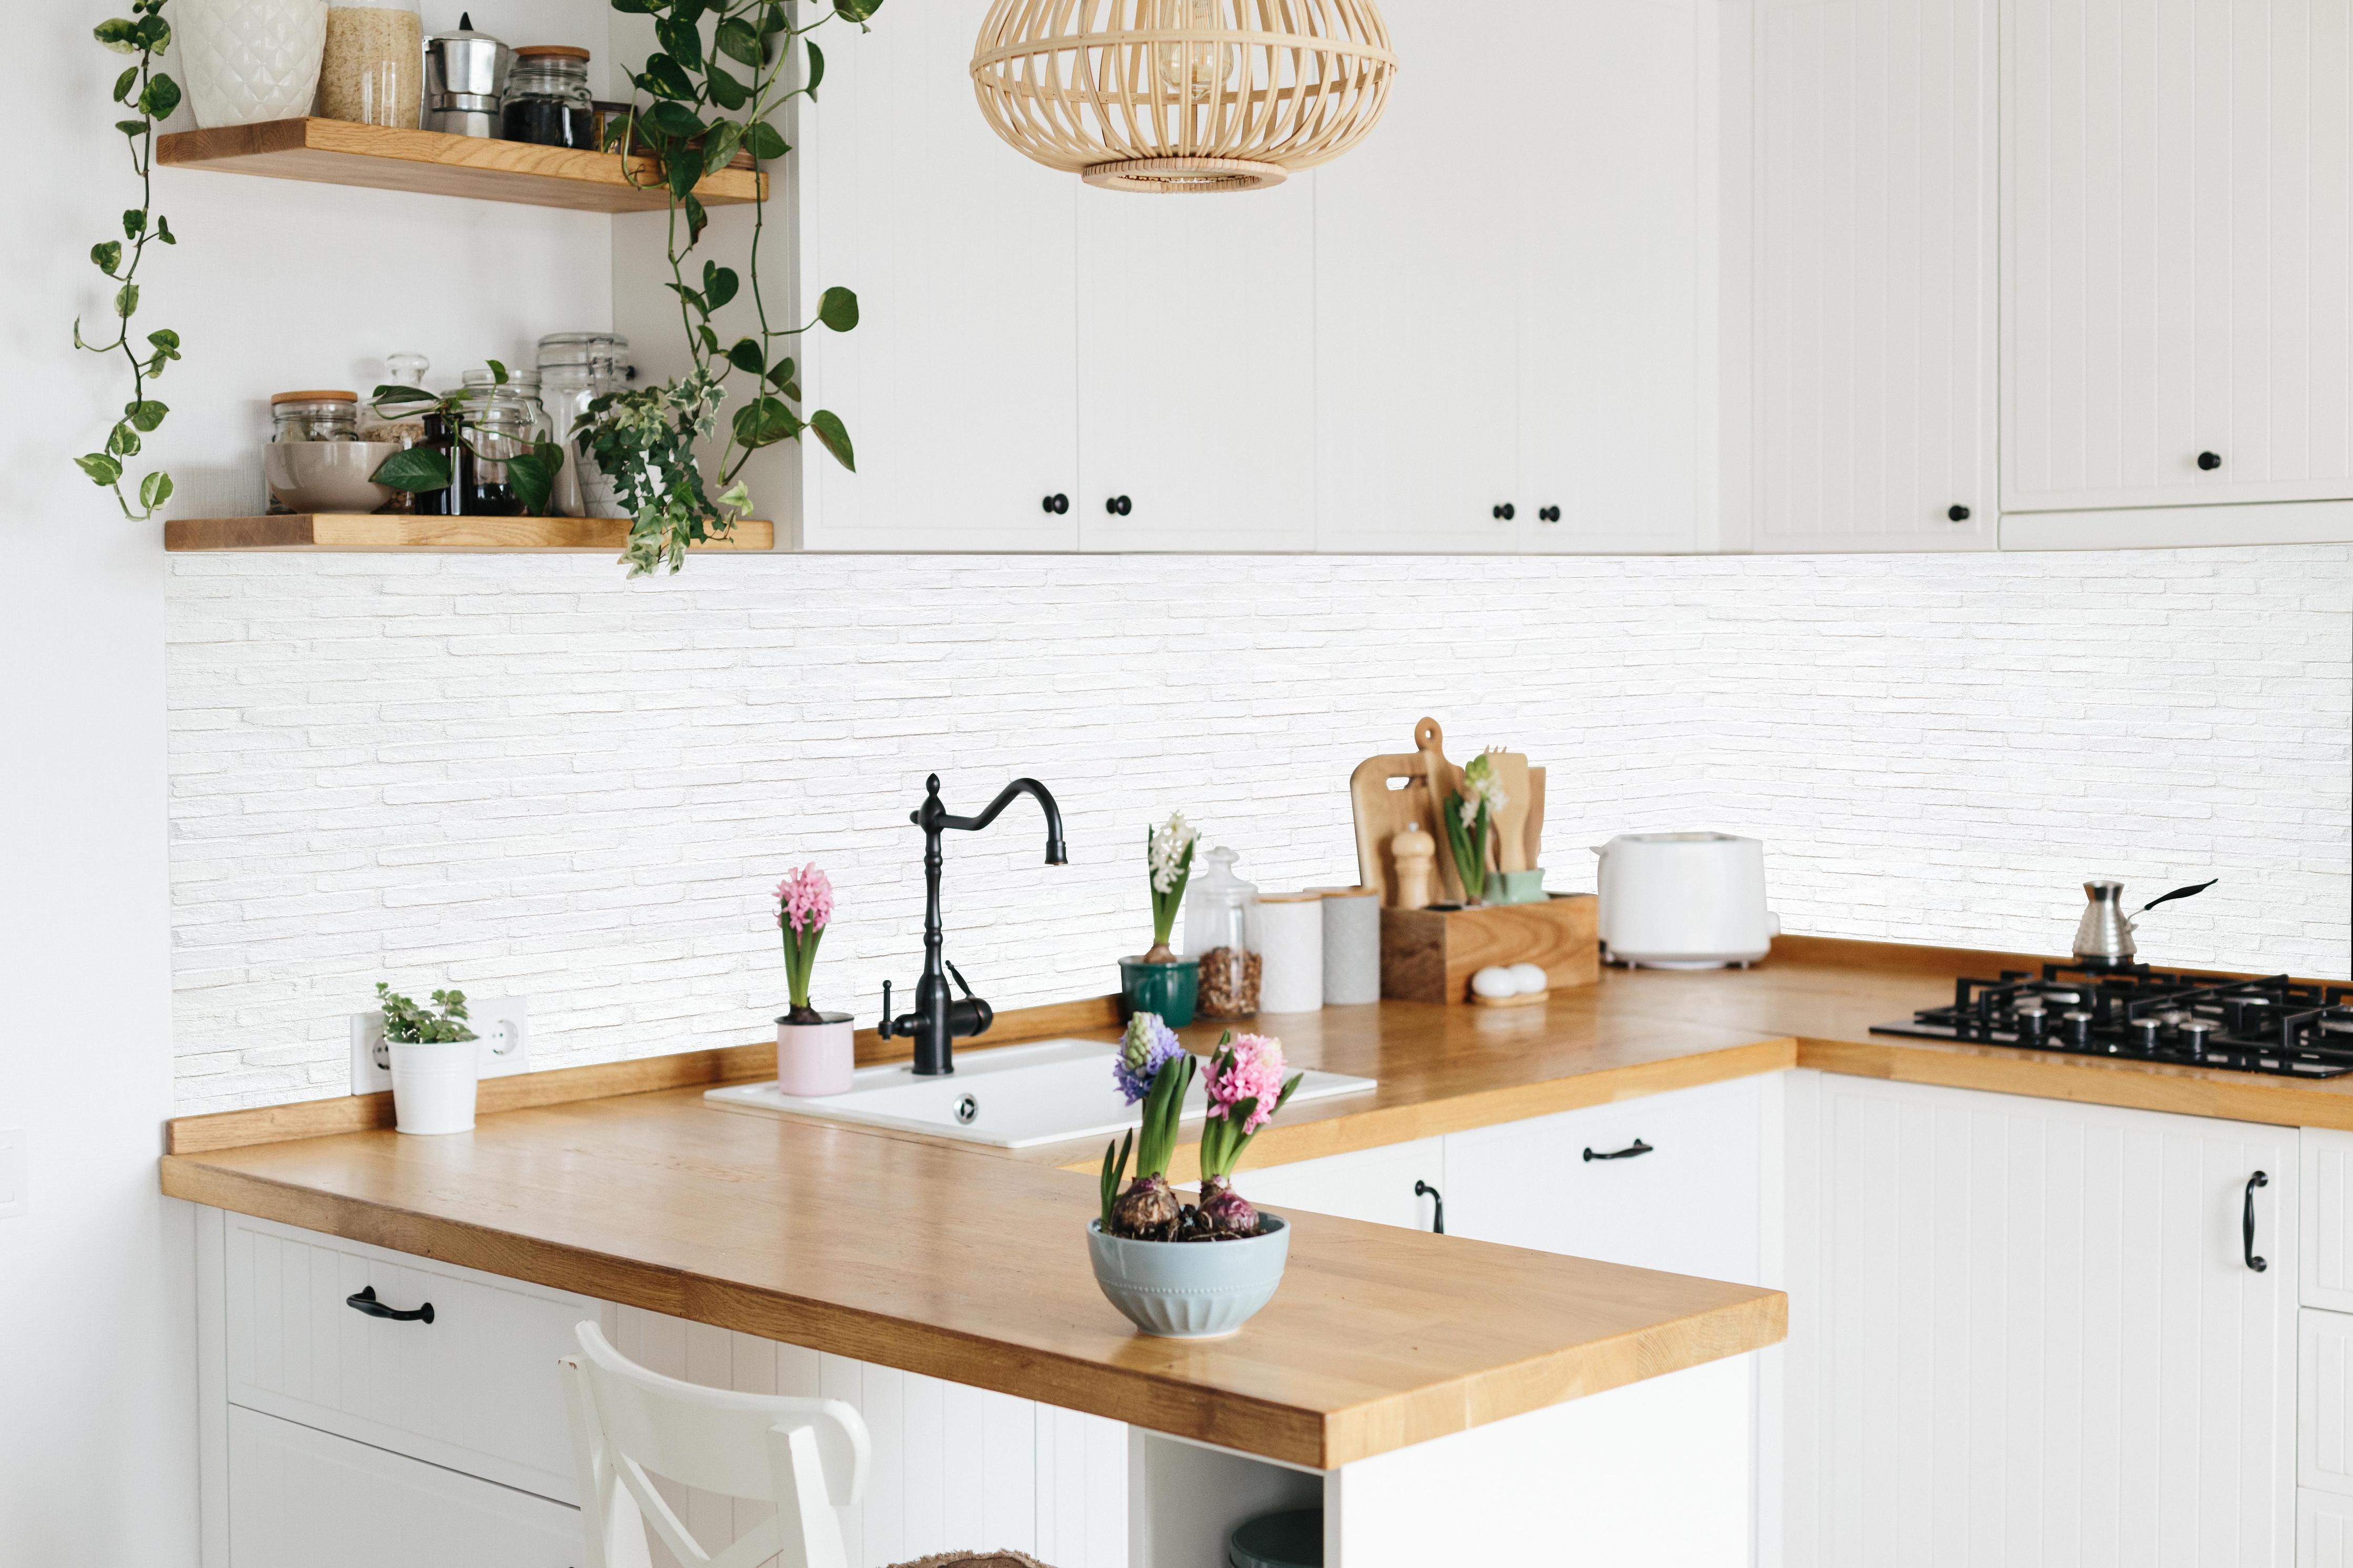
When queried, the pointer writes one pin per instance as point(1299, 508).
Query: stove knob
point(2079, 1027)
point(2195, 1033)
point(2144, 1033)
point(2031, 1022)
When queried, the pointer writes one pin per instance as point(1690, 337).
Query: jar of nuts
point(1221, 931)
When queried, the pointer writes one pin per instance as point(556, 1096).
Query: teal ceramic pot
point(1516, 886)
point(1167, 989)
point(1190, 1289)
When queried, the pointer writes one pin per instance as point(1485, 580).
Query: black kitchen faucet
point(938, 1021)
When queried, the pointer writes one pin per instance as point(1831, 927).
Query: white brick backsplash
point(525, 775)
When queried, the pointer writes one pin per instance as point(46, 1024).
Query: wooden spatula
point(1512, 822)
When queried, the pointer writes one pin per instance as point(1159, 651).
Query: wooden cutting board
point(1389, 792)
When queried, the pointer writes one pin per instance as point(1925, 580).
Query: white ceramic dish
point(327, 476)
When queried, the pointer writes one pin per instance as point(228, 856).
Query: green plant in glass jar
point(462, 425)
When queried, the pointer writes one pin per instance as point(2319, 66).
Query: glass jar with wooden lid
point(548, 102)
point(314, 417)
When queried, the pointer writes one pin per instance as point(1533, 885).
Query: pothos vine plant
point(150, 96)
point(709, 91)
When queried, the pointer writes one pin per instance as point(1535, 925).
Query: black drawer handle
point(1057, 504)
point(1958, 513)
point(366, 1301)
point(1627, 1153)
point(1119, 506)
point(2209, 461)
point(2248, 1225)
point(1549, 513)
point(1438, 1220)
point(1505, 513)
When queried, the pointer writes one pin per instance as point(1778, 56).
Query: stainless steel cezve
point(2104, 935)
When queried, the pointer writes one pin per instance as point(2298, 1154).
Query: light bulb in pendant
point(1194, 71)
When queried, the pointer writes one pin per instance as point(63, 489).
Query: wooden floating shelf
point(389, 534)
point(339, 153)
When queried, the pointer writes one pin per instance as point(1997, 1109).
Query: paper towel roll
point(1352, 947)
point(1291, 946)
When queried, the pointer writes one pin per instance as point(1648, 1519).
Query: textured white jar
point(246, 61)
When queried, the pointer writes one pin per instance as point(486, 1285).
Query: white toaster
point(1684, 900)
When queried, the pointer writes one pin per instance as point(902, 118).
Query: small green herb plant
point(707, 92)
point(423, 470)
point(406, 1023)
point(150, 96)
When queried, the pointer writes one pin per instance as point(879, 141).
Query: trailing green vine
point(700, 113)
point(151, 96)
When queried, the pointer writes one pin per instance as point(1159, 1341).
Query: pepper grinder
point(1416, 854)
point(465, 77)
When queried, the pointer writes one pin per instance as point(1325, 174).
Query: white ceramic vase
point(433, 1085)
point(245, 61)
point(814, 1059)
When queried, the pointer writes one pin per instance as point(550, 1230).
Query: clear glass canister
point(373, 69)
point(398, 423)
point(497, 422)
point(1221, 931)
point(574, 370)
point(547, 100)
point(314, 417)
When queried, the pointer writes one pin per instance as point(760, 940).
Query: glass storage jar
point(395, 426)
point(314, 417)
point(574, 370)
point(1221, 931)
point(548, 102)
point(373, 69)
point(497, 422)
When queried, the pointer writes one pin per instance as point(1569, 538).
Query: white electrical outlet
point(502, 1027)
point(13, 1196)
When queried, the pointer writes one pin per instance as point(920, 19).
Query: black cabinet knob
point(1958, 513)
point(1505, 513)
point(1119, 506)
point(2209, 461)
point(1057, 504)
point(1550, 513)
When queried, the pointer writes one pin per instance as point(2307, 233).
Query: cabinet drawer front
point(475, 1389)
point(2324, 1531)
point(2324, 1401)
point(1682, 1194)
point(2326, 1278)
point(1373, 1184)
point(298, 1498)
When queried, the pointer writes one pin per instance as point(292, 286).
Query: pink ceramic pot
point(815, 1059)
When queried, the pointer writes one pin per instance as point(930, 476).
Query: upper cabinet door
point(1195, 355)
point(1875, 171)
point(958, 385)
point(1612, 237)
point(2179, 236)
point(1417, 249)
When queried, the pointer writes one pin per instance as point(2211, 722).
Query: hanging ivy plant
point(707, 92)
point(150, 96)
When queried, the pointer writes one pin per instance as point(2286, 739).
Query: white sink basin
point(1013, 1097)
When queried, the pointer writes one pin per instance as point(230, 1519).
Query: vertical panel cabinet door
point(1197, 351)
point(1614, 287)
point(1876, 169)
point(958, 384)
point(2177, 283)
point(2024, 1330)
point(302, 1499)
point(1672, 1182)
point(1374, 1184)
point(1418, 242)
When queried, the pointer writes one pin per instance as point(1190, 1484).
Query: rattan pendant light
point(1183, 95)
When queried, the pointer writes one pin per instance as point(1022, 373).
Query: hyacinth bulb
point(1193, 71)
point(1147, 1210)
point(1226, 1210)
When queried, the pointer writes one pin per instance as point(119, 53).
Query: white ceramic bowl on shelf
point(246, 61)
point(327, 476)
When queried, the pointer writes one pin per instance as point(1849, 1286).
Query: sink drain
point(967, 1110)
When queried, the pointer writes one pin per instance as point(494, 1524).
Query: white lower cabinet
point(301, 1498)
point(2023, 1331)
point(2324, 1531)
point(1379, 1185)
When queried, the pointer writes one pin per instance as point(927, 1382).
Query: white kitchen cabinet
point(2324, 1531)
point(958, 385)
point(1669, 1180)
point(2324, 1401)
point(1874, 407)
point(1195, 337)
point(301, 1498)
point(1508, 316)
point(1373, 1184)
point(2020, 1328)
point(2177, 270)
point(2327, 1165)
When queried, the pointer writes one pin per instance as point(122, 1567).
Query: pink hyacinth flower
point(805, 900)
point(1255, 1072)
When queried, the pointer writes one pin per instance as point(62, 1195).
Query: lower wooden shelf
point(382, 533)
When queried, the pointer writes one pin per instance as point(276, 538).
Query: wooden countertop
point(966, 1264)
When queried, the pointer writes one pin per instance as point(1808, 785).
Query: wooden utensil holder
point(1430, 955)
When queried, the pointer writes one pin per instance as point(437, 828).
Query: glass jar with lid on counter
point(1221, 931)
point(547, 101)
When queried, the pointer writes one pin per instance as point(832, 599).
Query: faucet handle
point(883, 1028)
point(953, 971)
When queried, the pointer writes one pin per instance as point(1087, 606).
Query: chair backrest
point(807, 1456)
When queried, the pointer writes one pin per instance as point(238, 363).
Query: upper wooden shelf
point(382, 533)
point(339, 153)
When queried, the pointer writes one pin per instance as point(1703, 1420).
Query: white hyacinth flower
point(1169, 842)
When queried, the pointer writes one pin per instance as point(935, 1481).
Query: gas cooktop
point(2133, 1013)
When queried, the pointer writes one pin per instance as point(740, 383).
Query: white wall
point(527, 776)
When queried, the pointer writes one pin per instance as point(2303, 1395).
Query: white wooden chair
point(807, 1456)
